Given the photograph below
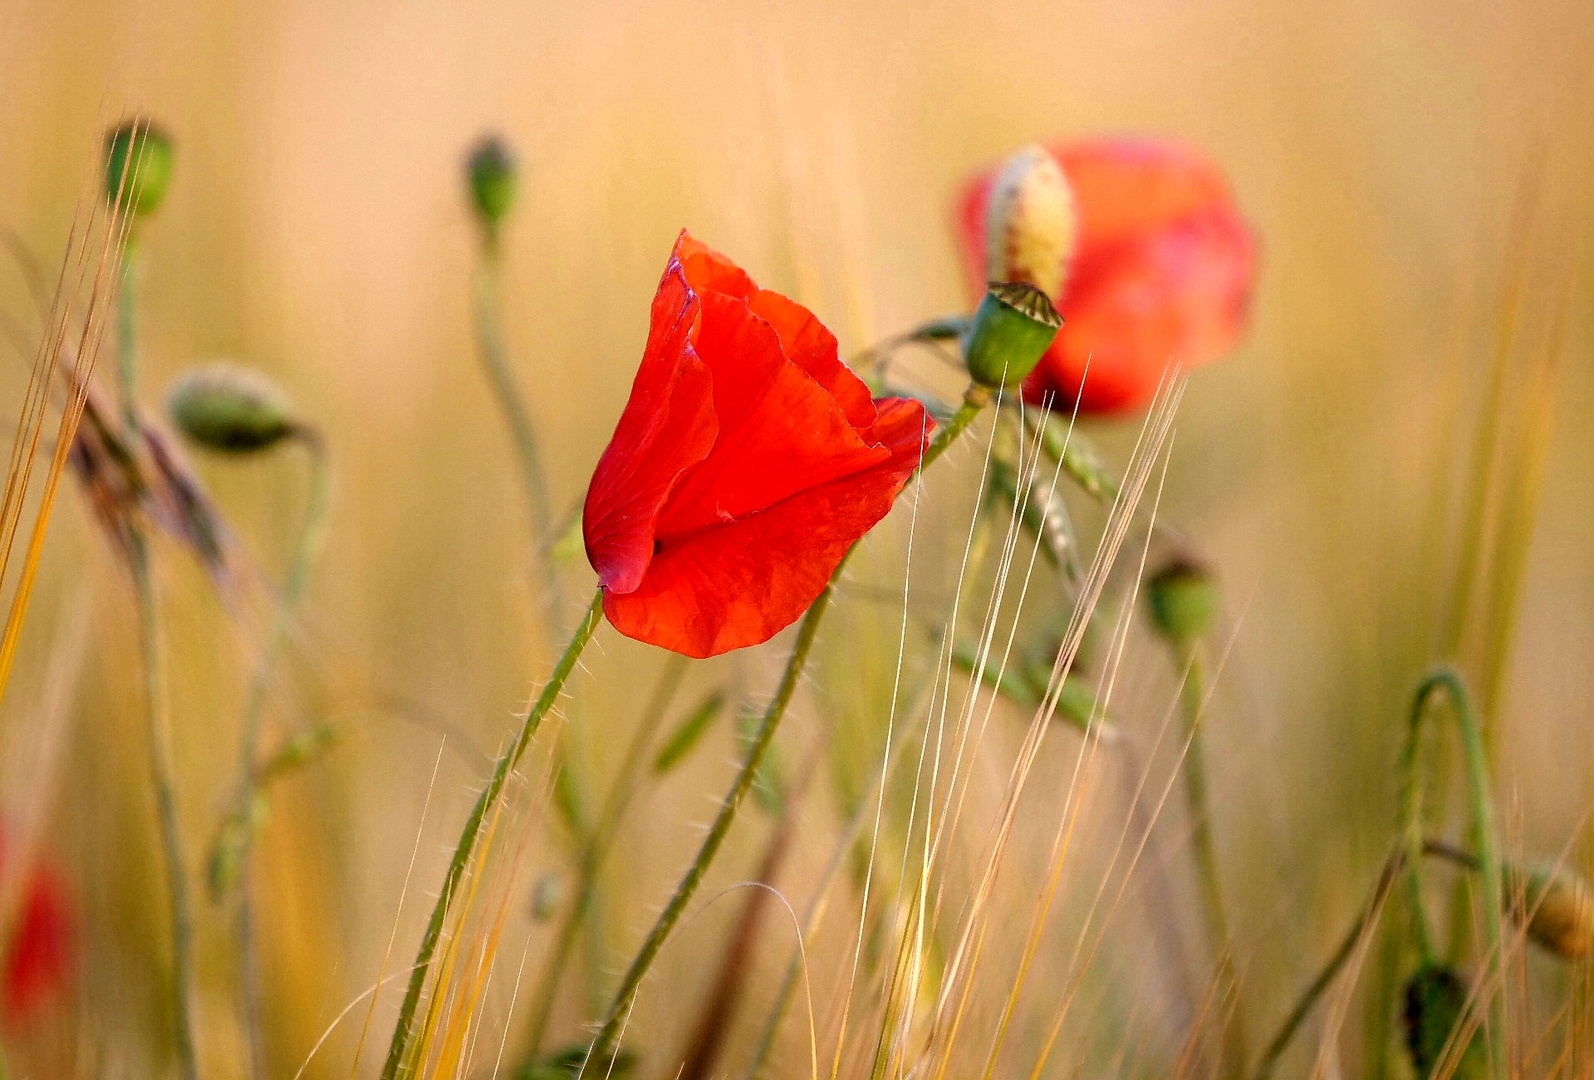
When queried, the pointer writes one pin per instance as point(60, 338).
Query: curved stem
point(163, 771)
point(595, 846)
point(976, 398)
point(1450, 682)
point(396, 1066)
point(311, 539)
point(1192, 700)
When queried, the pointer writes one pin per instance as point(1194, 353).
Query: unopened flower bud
point(1012, 329)
point(138, 166)
point(1436, 1004)
point(232, 409)
point(1030, 224)
point(1183, 597)
point(491, 172)
point(547, 895)
point(1558, 907)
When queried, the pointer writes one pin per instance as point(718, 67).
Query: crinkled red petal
point(741, 582)
point(667, 427)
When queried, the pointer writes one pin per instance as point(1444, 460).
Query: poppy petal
point(741, 583)
point(809, 344)
point(780, 430)
point(667, 427)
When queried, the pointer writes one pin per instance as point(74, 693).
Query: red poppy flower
point(1161, 270)
point(746, 463)
point(34, 962)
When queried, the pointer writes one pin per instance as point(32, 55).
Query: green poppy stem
point(157, 706)
point(312, 537)
point(397, 1065)
point(1450, 682)
point(1204, 848)
point(595, 846)
point(974, 400)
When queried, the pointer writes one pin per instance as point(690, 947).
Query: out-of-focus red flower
point(1161, 270)
point(36, 955)
point(746, 463)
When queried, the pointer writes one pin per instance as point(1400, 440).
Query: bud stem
point(312, 536)
point(1203, 842)
point(157, 707)
point(1450, 682)
point(975, 399)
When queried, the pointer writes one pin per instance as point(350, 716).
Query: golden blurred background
point(1407, 165)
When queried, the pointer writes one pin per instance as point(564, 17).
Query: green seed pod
point(490, 170)
point(231, 409)
point(1012, 329)
point(1183, 597)
point(138, 166)
point(1436, 1004)
point(1558, 907)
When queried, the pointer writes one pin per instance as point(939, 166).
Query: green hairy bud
point(230, 409)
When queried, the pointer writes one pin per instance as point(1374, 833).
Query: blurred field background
point(1406, 166)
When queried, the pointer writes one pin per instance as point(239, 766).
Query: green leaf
point(687, 734)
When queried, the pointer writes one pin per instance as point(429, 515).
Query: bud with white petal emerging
point(1030, 226)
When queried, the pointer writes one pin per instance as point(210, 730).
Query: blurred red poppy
point(36, 953)
point(1161, 270)
point(746, 463)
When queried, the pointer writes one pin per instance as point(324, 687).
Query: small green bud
point(1558, 907)
point(491, 172)
point(1012, 329)
point(231, 409)
point(1183, 597)
point(1436, 1005)
point(547, 895)
point(138, 166)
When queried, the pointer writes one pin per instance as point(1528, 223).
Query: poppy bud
point(1436, 1003)
point(1013, 327)
point(547, 895)
point(138, 166)
point(1183, 597)
point(1558, 907)
point(232, 409)
point(490, 170)
point(1029, 222)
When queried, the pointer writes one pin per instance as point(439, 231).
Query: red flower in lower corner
point(36, 953)
point(1160, 272)
point(748, 460)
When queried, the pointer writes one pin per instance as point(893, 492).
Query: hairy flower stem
point(1448, 681)
point(311, 538)
point(1192, 701)
point(396, 1065)
point(974, 400)
point(163, 770)
point(595, 846)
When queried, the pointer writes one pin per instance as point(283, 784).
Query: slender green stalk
point(163, 771)
point(974, 400)
point(396, 1065)
point(495, 359)
point(1449, 681)
point(1192, 701)
point(311, 538)
point(595, 847)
